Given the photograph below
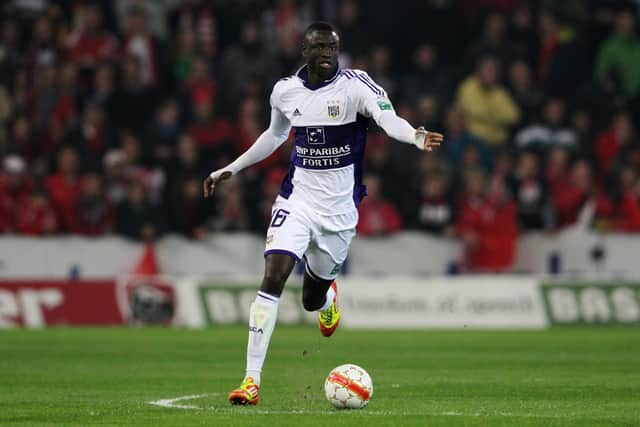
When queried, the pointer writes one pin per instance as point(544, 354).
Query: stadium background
point(113, 112)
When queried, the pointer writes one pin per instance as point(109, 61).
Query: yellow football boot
point(329, 319)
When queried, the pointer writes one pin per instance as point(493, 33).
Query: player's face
point(320, 52)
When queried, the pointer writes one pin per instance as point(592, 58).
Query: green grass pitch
point(85, 377)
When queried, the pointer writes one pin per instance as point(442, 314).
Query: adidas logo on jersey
point(296, 113)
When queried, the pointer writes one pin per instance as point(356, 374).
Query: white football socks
point(262, 321)
point(330, 295)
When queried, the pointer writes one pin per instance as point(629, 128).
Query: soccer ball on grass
point(348, 386)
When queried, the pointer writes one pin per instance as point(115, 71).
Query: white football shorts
point(322, 241)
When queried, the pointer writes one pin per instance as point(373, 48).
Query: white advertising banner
point(470, 301)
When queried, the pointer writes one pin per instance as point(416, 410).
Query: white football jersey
point(330, 122)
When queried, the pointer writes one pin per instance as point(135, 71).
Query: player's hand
point(212, 180)
point(432, 140)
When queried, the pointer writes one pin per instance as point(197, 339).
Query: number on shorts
point(278, 217)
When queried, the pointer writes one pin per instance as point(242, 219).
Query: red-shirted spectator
point(487, 227)
point(629, 206)
point(570, 196)
point(557, 166)
point(14, 186)
point(378, 217)
point(35, 216)
point(64, 187)
point(199, 85)
point(610, 142)
point(89, 42)
point(93, 214)
point(213, 134)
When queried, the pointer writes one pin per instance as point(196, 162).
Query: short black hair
point(319, 26)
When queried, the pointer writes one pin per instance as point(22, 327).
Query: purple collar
point(304, 76)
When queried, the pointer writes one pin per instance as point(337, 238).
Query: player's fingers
point(205, 189)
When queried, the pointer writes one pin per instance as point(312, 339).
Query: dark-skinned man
point(315, 214)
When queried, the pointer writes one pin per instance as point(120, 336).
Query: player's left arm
point(373, 102)
point(399, 129)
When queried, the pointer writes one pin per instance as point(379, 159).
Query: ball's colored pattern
point(348, 386)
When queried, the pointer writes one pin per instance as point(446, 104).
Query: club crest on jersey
point(333, 109)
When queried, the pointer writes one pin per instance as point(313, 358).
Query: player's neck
point(316, 78)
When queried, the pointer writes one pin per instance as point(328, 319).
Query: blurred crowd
point(113, 112)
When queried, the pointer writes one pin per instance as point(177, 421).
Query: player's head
point(320, 49)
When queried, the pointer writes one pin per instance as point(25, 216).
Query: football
point(348, 387)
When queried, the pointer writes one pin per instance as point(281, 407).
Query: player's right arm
point(268, 142)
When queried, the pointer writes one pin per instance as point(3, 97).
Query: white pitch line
point(171, 403)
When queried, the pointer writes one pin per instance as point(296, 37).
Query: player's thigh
point(325, 256)
point(289, 232)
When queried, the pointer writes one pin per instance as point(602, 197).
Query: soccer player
point(315, 214)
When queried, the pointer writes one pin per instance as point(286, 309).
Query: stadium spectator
point(427, 76)
point(246, 67)
point(88, 43)
point(199, 85)
point(140, 43)
point(354, 35)
point(618, 58)
point(609, 144)
point(115, 176)
point(380, 69)
point(551, 132)
point(499, 183)
point(570, 196)
point(428, 112)
point(629, 207)
point(522, 32)
point(34, 214)
point(63, 187)
point(43, 49)
point(14, 186)
point(487, 226)
point(188, 211)
point(230, 213)
point(136, 217)
point(492, 43)
point(10, 58)
point(103, 88)
point(161, 135)
point(21, 139)
point(526, 93)
point(91, 136)
point(134, 101)
point(93, 211)
point(530, 193)
point(378, 217)
point(183, 52)
point(214, 134)
point(562, 60)
point(436, 213)
point(557, 167)
point(459, 139)
point(489, 109)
